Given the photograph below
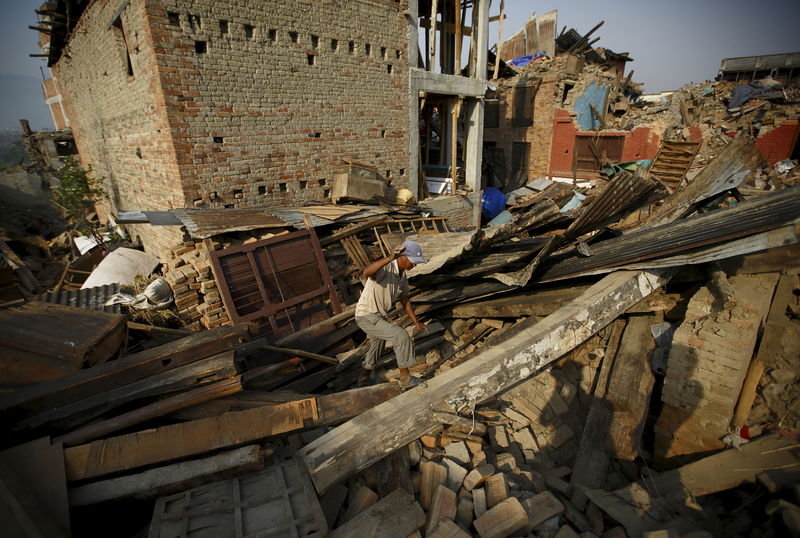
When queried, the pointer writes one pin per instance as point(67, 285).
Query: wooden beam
point(154, 410)
point(120, 372)
point(170, 479)
point(459, 29)
point(229, 430)
point(214, 368)
point(591, 461)
point(372, 435)
point(395, 516)
point(499, 39)
point(432, 38)
point(629, 389)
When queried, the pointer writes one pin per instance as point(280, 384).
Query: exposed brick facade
point(554, 129)
point(777, 143)
point(538, 135)
point(236, 103)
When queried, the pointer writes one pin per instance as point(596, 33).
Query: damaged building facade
point(569, 114)
point(241, 104)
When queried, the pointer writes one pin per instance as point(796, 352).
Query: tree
point(77, 194)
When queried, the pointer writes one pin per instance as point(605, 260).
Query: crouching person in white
point(386, 284)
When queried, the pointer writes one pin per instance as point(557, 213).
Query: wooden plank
point(33, 487)
point(352, 230)
point(499, 38)
point(629, 389)
point(120, 372)
point(170, 479)
point(208, 370)
point(591, 461)
point(175, 441)
point(148, 412)
point(397, 515)
point(532, 303)
point(635, 509)
point(369, 437)
point(63, 337)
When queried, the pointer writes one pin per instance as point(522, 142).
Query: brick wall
point(118, 120)
point(640, 143)
point(539, 135)
point(224, 107)
point(777, 143)
point(254, 122)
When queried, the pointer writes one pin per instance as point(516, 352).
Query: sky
point(672, 42)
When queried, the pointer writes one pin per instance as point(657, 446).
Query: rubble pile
point(574, 379)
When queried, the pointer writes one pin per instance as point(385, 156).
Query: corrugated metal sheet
point(768, 61)
point(622, 192)
point(760, 214)
point(89, 298)
point(204, 223)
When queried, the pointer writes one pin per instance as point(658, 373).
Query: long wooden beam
point(177, 441)
point(112, 374)
point(371, 436)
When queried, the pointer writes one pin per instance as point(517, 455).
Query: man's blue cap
point(414, 252)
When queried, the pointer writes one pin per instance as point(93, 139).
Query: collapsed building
point(618, 358)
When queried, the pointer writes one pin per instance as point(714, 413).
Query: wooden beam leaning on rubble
point(371, 436)
point(176, 441)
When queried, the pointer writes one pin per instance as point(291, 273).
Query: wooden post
point(499, 39)
point(457, 59)
point(454, 141)
point(432, 38)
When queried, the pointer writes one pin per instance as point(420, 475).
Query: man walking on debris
point(386, 284)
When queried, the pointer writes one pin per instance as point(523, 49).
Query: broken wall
point(235, 104)
point(118, 119)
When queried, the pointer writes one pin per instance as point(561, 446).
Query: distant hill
point(21, 98)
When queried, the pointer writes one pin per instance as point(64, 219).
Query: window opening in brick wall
point(567, 88)
point(314, 42)
point(272, 34)
point(119, 34)
point(249, 31)
point(390, 69)
point(334, 45)
point(402, 171)
point(139, 152)
point(351, 47)
point(398, 54)
point(323, 182)
point(223, 27)
point(218, 139)
point(237, 193)
point(388, 173)
point(303, 184)
point(228, 206)
point(262, 189)
point(195, 22)
point(367, 49)
point(282, 187)
point(326, 193)
point(520, 155)
point(310, 58)
point(173, 18)
point(315, 135)
point(293, 37)
point(383, 52)
point(200, 47)
point(491, 118)
point(524, 94)
point(383, 133)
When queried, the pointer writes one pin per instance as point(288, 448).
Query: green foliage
point(77, 194)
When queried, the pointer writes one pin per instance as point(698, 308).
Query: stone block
point(477, 476)
point(496, 487)
point(503, 520)
point(542, 507)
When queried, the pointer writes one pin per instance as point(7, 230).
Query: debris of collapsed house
point(615, 356)
point(547, 403)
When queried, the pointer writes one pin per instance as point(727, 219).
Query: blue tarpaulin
point(595, 95)
point(522, 61)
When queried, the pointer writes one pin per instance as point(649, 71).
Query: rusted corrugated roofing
point(89, 298)
point(203, 223)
